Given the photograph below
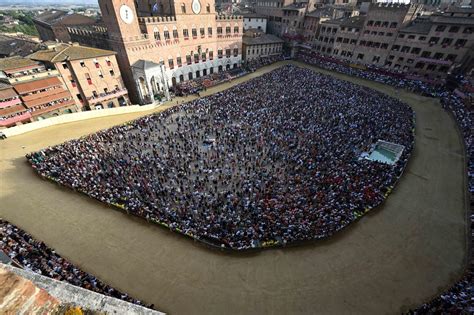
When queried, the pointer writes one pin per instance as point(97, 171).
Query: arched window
point(236, 29)
point(166, 33)
point(183, 8)
point(156, 34)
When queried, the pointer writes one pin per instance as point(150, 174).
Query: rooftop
point(16, 62)
point(254, 15)
point(10, 46)
point(145, 64)
point(63, 52)
point(53, 17)
point(4, 86)
point(355, 21)
point(254, 38)
point(295, 7)
point(418, 26)
point(320, 12)
point(334, 22)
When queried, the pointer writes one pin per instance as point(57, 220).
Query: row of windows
point(389, 62)
point(388, 34)
point(194, 32)
point(197, 74)
point(95, 62)
point(373, 44)
point(95, 94)
point(294, 23)
point(405, 49)
point(382, 24)
point(292, 13)
point(349, 29)
point(89, 79)
point(427, 54)
point(269, 50)
point(454, 29)
point(328, 29)
point(447, 41)
point(420, 66)
point(196, 58)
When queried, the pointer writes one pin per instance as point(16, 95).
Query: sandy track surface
point(394, 258)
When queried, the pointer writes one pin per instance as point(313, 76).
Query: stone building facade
point(436, 45)
point(255, 21)
point(257, 45)
point(396, 37)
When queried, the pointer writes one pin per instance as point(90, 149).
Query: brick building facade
point(187, 38)
point(91, 75)
point(40, 92)
point(52, 24)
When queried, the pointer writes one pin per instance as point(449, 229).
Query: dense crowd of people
point(35, 256)
point(459, 299)
point(219, 168)
point(371, 73)
point(275, 159)
point(256, 63)
point(202, 83)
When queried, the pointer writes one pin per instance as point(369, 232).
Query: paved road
point(396, 257)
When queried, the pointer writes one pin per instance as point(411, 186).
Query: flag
point(155, 7)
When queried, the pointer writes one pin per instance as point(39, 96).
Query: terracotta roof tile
point(69, 52)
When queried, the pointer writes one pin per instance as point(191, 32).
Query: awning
point(28, 87)
point(7, 93)
point(43, 98)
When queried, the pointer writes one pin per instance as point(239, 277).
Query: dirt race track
point(394, 258)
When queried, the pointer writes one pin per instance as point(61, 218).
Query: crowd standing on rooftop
point(275, 159)
point(35, 256)
point(459, 299)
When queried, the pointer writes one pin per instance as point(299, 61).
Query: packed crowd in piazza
point(243, 168)
point(459, 299)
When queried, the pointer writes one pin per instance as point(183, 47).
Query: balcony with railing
point(44, 98)
point(106, 96)
point(9, 103)
point(18, 108)
point(11, 121)
point(33, 76)
point(49, 108)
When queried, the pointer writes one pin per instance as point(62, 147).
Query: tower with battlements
point(185, 39)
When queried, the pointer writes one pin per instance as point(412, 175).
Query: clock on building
point(196, 6)
point(126, 14)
